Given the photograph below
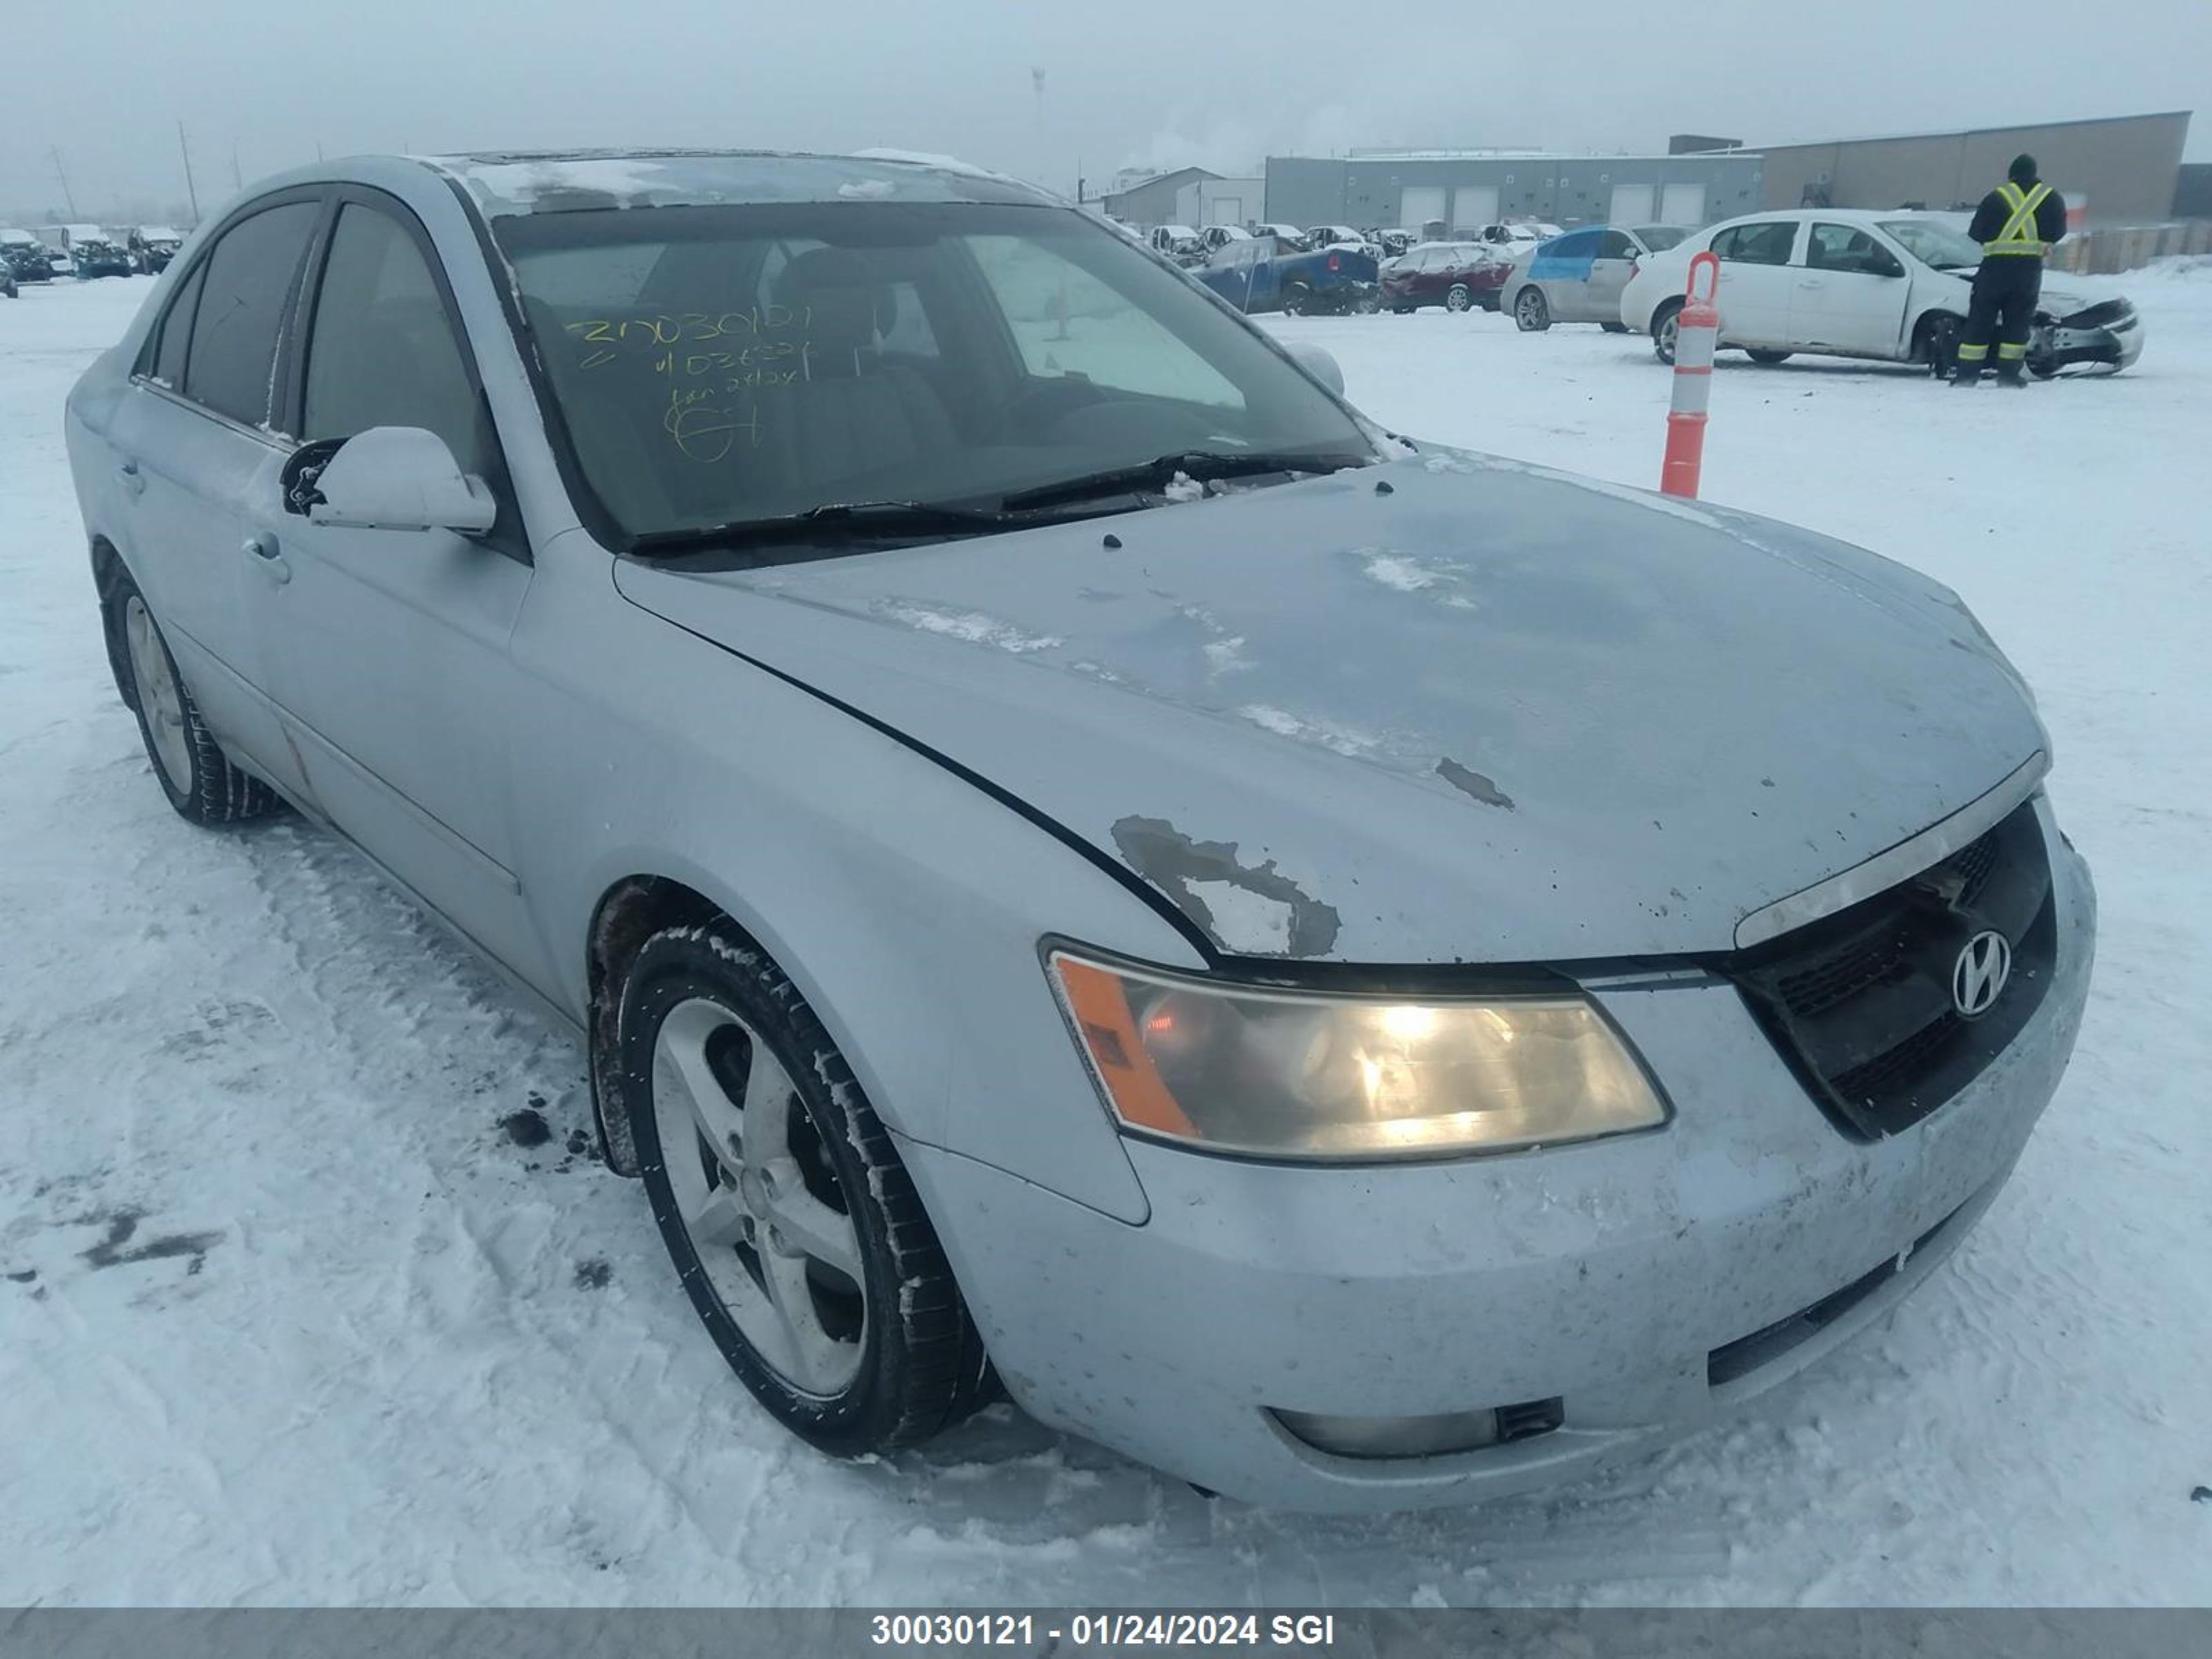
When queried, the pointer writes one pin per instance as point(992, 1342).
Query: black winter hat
point(2022, 171)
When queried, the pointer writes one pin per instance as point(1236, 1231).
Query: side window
point(177, 330)
point(909, 334)
point(1577, 245)
point(232, 359)
point(1846, 247)
point(1616, 245)
point(381, 351)
point(1767, 243)
point(1065, 320)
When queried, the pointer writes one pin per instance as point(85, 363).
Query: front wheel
point(1459, 297)
point(1666, 327)
point(1532, 313)
point(790, 1220)
point(1939, 345)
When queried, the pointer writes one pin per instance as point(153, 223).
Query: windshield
point(1935, 244)
point(724, 364)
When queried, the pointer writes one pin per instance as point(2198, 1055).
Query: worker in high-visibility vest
point(2016, 225)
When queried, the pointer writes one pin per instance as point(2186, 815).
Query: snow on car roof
point(518, 182)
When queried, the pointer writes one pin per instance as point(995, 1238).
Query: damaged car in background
point(1846, 282)
point(1083, 866)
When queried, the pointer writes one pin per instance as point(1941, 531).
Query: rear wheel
point(1759, 356)
point(1459, 297)
point(190, 765)
point(1665, 325)
point(790, 1220)
point(1532, 311)
point(1297, 299)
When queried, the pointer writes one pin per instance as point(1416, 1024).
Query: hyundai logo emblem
point(1978, 978)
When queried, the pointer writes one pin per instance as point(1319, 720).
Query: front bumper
point(1622, 1277)
point(2116, 345)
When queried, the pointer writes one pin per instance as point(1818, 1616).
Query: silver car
point(1578, 278)
point(1358, 974)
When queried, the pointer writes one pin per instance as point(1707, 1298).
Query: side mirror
point(1319, 364)
point(400, 477)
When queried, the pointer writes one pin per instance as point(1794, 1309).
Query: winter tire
point(1939, 345)
point(1532, 313)
point(1665, 322)
point(793, 1224)
point(194, 772)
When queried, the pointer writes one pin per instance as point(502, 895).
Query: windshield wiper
point(841, 521)
point(1198, 465)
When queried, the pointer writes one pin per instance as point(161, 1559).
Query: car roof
point(510, 182)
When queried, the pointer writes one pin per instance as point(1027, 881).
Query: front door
point(393, 670)
point(193, 447)
point(1850, 294)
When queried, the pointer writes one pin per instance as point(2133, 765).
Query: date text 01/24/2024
point(1104, 1631)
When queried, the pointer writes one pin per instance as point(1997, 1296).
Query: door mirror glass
point(400, 477)
point(1321, 365)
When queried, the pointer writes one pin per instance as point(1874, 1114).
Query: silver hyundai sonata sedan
point(1359, 974)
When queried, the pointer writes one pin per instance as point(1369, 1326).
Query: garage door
point(1632, 204)
point(1473, 205)
point(1682, 205)
point(1419, 203)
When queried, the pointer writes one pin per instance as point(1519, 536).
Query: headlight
point(1301, 1075)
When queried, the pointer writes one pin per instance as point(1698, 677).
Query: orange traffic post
point(1697, 327)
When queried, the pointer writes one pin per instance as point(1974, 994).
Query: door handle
point(133, 479)
point(263, 551)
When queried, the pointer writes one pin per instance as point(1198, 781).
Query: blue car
point(1272, 273)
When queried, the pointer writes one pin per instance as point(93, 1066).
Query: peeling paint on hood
point(1650, 720)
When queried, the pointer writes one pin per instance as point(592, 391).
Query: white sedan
point(1844, 283)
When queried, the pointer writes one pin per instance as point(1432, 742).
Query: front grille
point(1860, 1002)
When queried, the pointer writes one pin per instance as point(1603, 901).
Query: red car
point(1457, 276)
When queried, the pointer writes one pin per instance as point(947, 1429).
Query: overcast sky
point(1126, 82)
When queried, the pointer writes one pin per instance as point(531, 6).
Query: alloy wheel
point(159, 694)
point(759, 1198)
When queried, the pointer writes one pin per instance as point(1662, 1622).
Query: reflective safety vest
point(2020, 235)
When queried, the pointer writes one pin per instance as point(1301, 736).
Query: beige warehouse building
point(2120, 169)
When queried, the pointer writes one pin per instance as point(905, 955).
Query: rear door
point(393, 670)
point(1850, 293)
point(1561, 267)
point(195, 445)
point(1755, 281)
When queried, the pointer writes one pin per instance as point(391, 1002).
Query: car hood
point(1495, 714)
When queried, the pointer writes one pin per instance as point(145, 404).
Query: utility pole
point(192, 190)
point(66, 196)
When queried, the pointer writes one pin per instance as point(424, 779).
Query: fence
point(2108, 249)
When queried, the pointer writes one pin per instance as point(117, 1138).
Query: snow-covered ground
point(287, 1315)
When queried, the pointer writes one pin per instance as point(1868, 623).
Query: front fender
point(905, 903)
